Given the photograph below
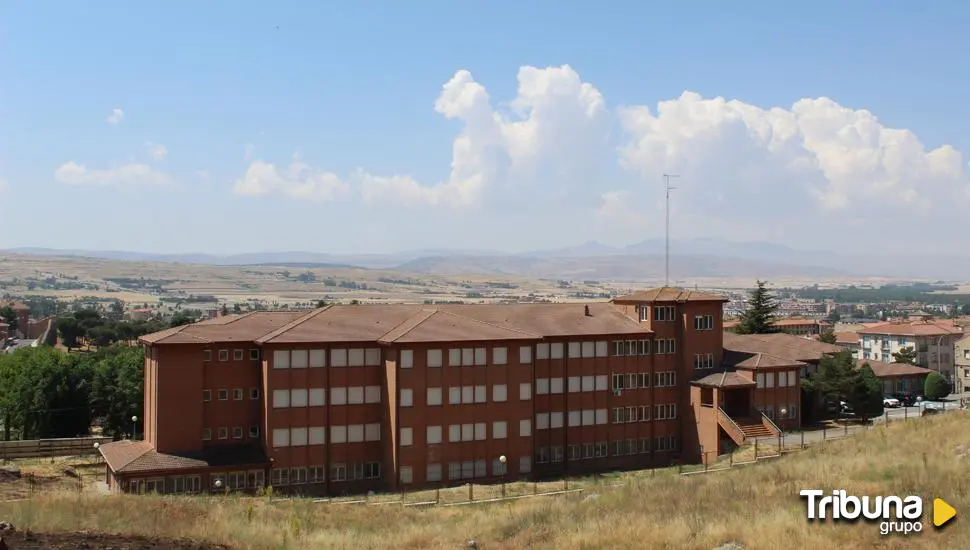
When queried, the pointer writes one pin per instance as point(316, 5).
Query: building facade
point(349, 399)
point(932, 341)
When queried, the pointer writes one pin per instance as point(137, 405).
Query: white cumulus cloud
point(116, 116)
point(297, 181)
point(157, 151)
point(72, 173)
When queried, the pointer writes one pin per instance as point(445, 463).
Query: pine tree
point(828, 336)
point(906, 355)
point(760, 315)
point(865, 393)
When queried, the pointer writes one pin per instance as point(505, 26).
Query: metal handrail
point(771, 423)
point(734, 424)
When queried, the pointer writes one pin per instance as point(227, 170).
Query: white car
point(891, 403)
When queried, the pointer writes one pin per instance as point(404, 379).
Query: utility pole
point(667, 233)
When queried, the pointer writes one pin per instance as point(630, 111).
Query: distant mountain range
point(591, 260)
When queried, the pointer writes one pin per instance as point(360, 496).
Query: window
point(433, 435)
point(542, 351)
point(406, 475)
point(480, 433)
point(206, 434)
point(644, 312)
point(372, 394)
point(223, 395)
point(499, 393)
point(254, 355)
point(703, 322)
point(525, 427)
point(316, 474)
point(782, 379)
point(601, 382)
point(665, 379)
point(703, 360)
point(338, 472)
point(666, 412)
point(468, 432)
point(454, 357)
point(454, 396)
point(574, 384)
point(555, 420)
point(297, 476)
point(338, 358)
point(454, 471)
point(666, 346)
point(575, 350)
point(207, 355)
point(237, 432)
point(407, 397)
point(281, 399)
point(355, 395)
point(479, 468)
point(281, 437)
point(355, 357)
point(281, 359)
point(254, 431)
point(555, 350)
point(601, 416)
point(207, 395)
point(555, 385)
point(574, 418)
point(525, 464)
point(355, 433)
point(372, 357)
point(602, 348)
point(525, 391)
point(434, 359)
point(498, 468)
point(372, 432)
point(480, 356)
point(587, 383)
point(407, 359)
point(434, 396)
point(338, 434)
point(499, 429)
point(761, 379)
point(481, 394)
point(298, 397)
point(317, 397)
point(318, 358)
point(666, 443)
point(454, 433)
point(254, 393)
point(769, 379)
point(317, 435)
point(500, 356)
point(407, 437)
point(433, 473)
point(223, 355)
point(542, 421)
point(588, 417)
point(298, 437)
point(542, 386)
point(237, 355)
point(298, 359)
point(525, 355)
point(664, 313)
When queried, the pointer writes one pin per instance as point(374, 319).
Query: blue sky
point(339, 131)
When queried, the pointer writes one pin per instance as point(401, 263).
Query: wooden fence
point(37, 448)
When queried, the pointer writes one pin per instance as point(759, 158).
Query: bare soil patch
point(65, 541)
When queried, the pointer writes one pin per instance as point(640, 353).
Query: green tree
point(225, 310)
point(321, 303)
point(865, 393)
point(117, 388)
point(9, 316)
point(935, 387)
point(827, 336)
point(834, 316)
point(45, 393)
point(180, 319)
point(759, 318)
point(70, 330)
point(906, 355)
point(834, 377)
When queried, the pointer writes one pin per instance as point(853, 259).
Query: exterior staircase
point(753, 428)
point(744, 429)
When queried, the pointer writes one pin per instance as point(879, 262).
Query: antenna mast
point(667, 234)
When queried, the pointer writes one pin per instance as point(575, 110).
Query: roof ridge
point(429, 313)
point(493, 325)
point(134, 458)
point(292, 324)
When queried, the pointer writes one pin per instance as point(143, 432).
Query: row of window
point(641, 380)
point(317, 435)
point(785, 379)
point(663, 314)
point(317, 397)
point(622, 447)
point(317, 474)
point(237, 394)
point(237, 355)
point(223, 433)
point(641, 413)
point(588, 417)
point(575, 384)
point(703, 361)
point(317, 358)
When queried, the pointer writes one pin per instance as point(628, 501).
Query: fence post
point(887, 417)
point(731, 459)
point(565, 484)
point(437, 495)
point(803, 439)
point(535, 487)
point(704, 458)
point(756, 449)
point(471, 492)
point(781, 443)
point(824, 432)
point(845, 425)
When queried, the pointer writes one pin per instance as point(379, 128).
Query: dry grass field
point(755, 506)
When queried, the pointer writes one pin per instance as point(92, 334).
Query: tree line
point(46, 393)
point(90, 327)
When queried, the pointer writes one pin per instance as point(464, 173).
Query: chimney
point(588, 314)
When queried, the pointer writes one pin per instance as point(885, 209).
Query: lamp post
point(96, 447)
point(505, 469)
point(134, 429)
point(217, 484)
point(781, 433)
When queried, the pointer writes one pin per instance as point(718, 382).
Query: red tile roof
point(779, 344)
point(128, 457)
point(670, 294)
point(726, 379)
point(884, 370)
point(847, 338)
point(912, 328)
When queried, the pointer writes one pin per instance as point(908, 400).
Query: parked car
point(845, 409)
point(906, 398)
point(891, 403)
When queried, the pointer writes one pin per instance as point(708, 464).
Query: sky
point(368, 127)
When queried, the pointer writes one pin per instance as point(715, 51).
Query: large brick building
point(353, 398)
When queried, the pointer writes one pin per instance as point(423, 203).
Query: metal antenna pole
point(667, 234)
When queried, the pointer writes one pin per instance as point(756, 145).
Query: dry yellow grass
point(756, 506)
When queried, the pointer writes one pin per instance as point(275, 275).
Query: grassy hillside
point(756, 506)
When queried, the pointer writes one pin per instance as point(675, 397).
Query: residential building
point(798, 327)
point(932, 340)
point(352, 398)
point(22, 313)
point(962, 364)
point(898, 377)
point(849, 341)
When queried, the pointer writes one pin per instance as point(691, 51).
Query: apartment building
point(933, 341)
point(345, 399)
point(962, 364)
point(798, 327)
